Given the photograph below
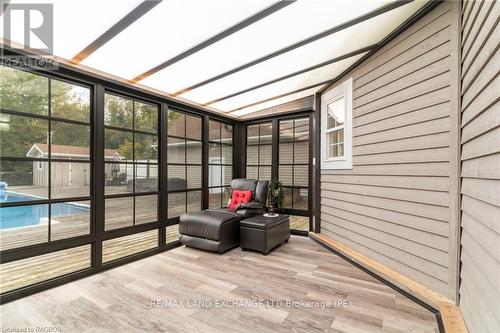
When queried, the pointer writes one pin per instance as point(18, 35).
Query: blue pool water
point(21, 216)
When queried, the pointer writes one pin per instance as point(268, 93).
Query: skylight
point(165, 31)
point(312, 77)
point(298, 21)
point(76, 23)
point(329, 48)
point(234, 56)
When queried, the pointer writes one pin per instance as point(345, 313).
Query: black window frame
point(259, 144)
point(99, 86)
point(223, 187)
point(293, 163)
point(134, 194)
point(175, 220)
point(275, 159)
point(49, 200)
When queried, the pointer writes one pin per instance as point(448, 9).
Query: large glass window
point(45, 159)
point(220, 163)
point(259, 151)
point(293, 170)
point(184, 157)
point(131, 162)
point(48, 187)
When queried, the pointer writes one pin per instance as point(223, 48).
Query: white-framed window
point(336, 127)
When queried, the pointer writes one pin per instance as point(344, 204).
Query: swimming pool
point(22, 216)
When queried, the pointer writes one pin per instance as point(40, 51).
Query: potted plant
point(276, 195)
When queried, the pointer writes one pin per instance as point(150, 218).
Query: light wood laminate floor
point(126, 299)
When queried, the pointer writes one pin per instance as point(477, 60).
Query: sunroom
point(250, 166)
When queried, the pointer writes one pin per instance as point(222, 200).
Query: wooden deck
point(28, 271)
point(127, 298)
point(299, 223)
point(119, 214)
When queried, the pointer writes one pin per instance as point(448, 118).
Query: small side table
point(263, 234)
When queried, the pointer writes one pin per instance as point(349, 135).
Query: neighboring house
point(63, 173)
point(78, 174)
point(193, 157)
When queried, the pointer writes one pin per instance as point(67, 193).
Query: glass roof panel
point(354, 38)
point(296, 22)
point(177, 25)
point(77, 23)
point(262, 106)
point(167, 30)
point(303, 80)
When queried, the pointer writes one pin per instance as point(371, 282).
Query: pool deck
point(118, 215)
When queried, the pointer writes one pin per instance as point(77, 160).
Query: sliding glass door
point(294, 170)
point(280, 149)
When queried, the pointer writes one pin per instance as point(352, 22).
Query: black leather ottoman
point(211, 230)
point(263, 234)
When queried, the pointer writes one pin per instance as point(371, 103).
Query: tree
point(24, 92)
point(28, 93)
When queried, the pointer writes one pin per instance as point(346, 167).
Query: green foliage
point(70, 101)
point(21, 134)
point(118, 111)
point(126, 150)
point(70, 134)
point(276, 194)
point(172, 116)
point(146, 117)
point(145, 147)
point(29, 93)
point(22, 91)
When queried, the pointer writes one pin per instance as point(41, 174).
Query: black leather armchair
point(219, 229)
point(258, 205)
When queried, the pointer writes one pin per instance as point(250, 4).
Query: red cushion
point(240, 197)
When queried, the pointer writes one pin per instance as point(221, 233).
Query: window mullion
point(49, 167)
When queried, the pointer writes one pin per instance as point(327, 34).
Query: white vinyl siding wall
point(480, 255)
point(398, 205)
